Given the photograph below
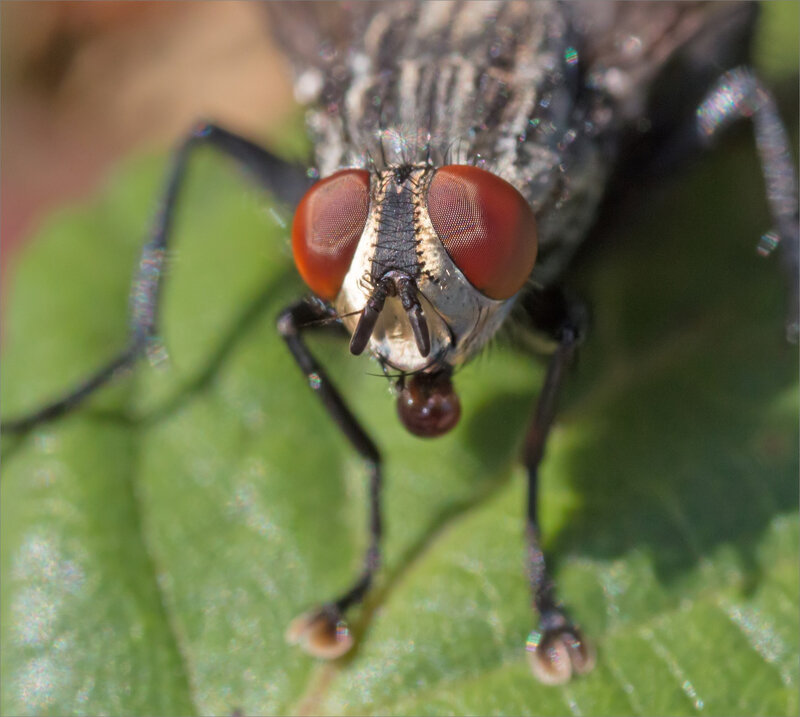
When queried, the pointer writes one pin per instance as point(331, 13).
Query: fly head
point(422, 264)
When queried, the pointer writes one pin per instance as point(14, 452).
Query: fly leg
point(556, 649)
point(286, 181)
point(322, 632)
point(740, 94)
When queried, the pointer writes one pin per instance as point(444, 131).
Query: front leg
point(556, 649)
point(323, 632)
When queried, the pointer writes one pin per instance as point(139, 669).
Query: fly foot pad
point(321, 632)
point(558, 652)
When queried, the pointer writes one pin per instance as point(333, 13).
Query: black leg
point(74, 398)
point(556, 649)
point(322, 632)
point(286, 181)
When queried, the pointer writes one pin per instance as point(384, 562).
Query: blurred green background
point(156, 545)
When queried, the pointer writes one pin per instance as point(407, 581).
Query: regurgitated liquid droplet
point(428, 405)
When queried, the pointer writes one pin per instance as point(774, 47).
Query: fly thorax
point(400, 238)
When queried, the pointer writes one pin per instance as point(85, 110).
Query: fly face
point(436, 258)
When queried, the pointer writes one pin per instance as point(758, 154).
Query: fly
point(462, 150)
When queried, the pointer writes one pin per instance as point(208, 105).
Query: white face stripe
point(460, 319)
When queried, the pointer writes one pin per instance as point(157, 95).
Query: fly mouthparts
point(393, 283)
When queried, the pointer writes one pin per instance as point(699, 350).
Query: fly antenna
point(369, 317)
point(406, 290)
point(393, 283)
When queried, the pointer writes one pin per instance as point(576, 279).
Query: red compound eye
point(327, 225)
point(486, 226)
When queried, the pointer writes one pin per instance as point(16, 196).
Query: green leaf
point(156, 544)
